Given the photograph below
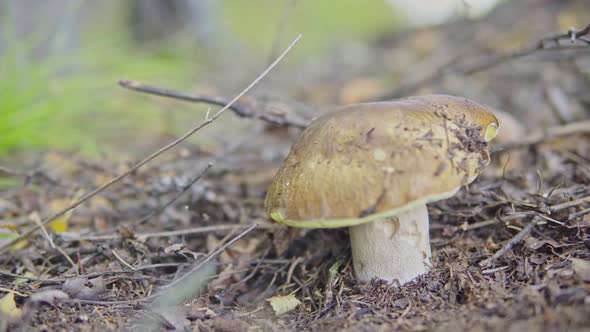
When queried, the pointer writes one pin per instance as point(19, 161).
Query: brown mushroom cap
point(368, 161)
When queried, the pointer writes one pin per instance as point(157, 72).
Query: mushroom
point(373, 167)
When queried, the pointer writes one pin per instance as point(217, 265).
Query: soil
point(107, 270)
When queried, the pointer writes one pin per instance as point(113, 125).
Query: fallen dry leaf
point(283, 304)
point(61, 224)
point(200, 313)
point(582, 268)
point(84, 289)
point(49, 296)
point(8, 307)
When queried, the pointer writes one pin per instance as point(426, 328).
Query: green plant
point(69, 99)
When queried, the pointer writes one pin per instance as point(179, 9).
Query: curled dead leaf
point(581, 268)
point(49, 296)
point(85, 289)
point(283, 304)
point(8, 307)
point(536, 244)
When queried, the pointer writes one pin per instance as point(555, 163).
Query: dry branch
point(243, 108)
point(176, 197)
point(520, 215)
point(205, 261)
point(180, 232)
point(577, 39)
point(116, 179)
point(511, 243)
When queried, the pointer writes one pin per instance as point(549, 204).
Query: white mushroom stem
point(394, 248)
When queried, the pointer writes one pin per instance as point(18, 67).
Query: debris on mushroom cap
point(367, 161)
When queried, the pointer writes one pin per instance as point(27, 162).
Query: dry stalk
point(182, 138)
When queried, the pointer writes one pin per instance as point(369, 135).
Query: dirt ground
point(101, 267)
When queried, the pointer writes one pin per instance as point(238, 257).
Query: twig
point(69, 259)
point(28, 175)
point(37, 220)
point(288, 7)
point(578, 214)
point(206, 260)
point(560, 223)
point(35, 217)
point(109, 303)
point(96, 167)
point(91, 275)
point(520, 215)
point(511, 243)
point(487, 62)
point(13, 172)
point(24, 277)
point(186, 96)
point(574, 128)
point(120, 259)
point(575, 202)
point(176, 197)
point(188, 231)
point(174, 283)
point(94, 274)
point(116, 179)
point(246, 109)
point(494, 270)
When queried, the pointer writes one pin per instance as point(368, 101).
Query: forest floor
point(116, 261)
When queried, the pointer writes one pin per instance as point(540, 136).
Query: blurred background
point(60, 61)
point(67, 127)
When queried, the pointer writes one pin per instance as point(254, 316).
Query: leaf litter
point(102, 266)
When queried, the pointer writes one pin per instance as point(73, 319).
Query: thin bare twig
point(578, 214)
point(69, 259)
point(454, 67)
point(565, 205)
point(288, 7)
point(120, 259)
point(37, 220)
point(206, 260)
point(494, 270)
point(91, 275)
point(511, 243)
point(28, 175)
point(174, 283)
point(35, 217)
point(186, 96)
point(180, 232)
point(243, 108)
point(13, 172)
point(176, 197)
point(520, 215)
point(116, 179)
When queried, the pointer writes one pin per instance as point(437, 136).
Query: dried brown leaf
point(49, 296)
point(85, 289)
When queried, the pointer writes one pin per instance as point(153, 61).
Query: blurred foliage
point(67, 97)
point(323, 23)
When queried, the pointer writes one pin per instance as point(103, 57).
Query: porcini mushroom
point(373, 167)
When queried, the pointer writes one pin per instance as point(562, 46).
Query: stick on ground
point(511, 243)
point(577, 39)
point(118, 178)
